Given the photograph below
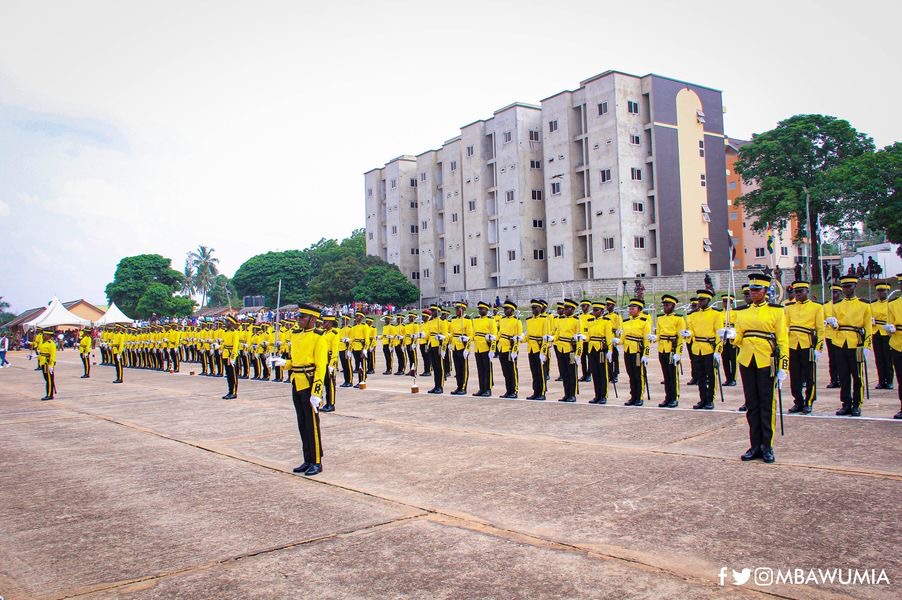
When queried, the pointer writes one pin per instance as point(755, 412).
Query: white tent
point(113, 315)
point(56, 314)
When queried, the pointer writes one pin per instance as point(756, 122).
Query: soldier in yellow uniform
point(703, 325)
point(893, 327)
point(344, 351)
point(371, 350)
point(331, 336)
point(761, 337)
point(411, 340)
point(397, 345)
point(567, 350)
point(693, 363)
point(805, 320)
point(388, 336)
point(830, 335)
point(551, 317)
point(117, 348)
point(46, 350)
point(360, 343)
point(510, 333)
point(231, 352)
point(735, 315)
point(600, 341)
point(852, 321)
point(460, 330)
point(882, 358)
point(728, 355)
point(485, 334)
point(307, 366)
point(437, 332)
point(537, 348)
point(84, 349)
point(636, 343)
point(670, 350)
point(617, 325)
point(585, 315)
point(423, 342)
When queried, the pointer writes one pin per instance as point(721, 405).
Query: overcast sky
point(156, 126)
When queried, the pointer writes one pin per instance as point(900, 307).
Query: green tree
point(222, 291)
point(259, 275)
point(188, 286)
point(866, 189)
point(385, 284)
point(181, 306)
point(5, 317)
point(134, 274)
point(789, 162)
point(205, 270)
point(154, 301)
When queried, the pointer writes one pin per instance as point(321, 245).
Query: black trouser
point(883, 360)
point(546, 368)
point(615, 362)
point(263, 366)
point(345, 361)
point(360, 364)
point(537, 370)
point(308, 426)
point(255, 364)
point(399, 354)
point(760, 402)
point(329, 388)
point(633, 363)
point(584, 359)
point(484, 371)
point(833, 361)
point(446, 361)
point(386, 352)
point(509, 371)
point(568, 373)
point(203, 362)
point(427, 359)
point(217, 359)
point(461, 369)
point(86, 363)
point(49, 383)
point(703, 367)
point(851, 377)
point(802, 375)
point(897, 365)
point(371, 359)
point(231, 377)
point(412, 357)
point(176, 359)
point(438, 366)
point(671, 376)
point(598, 367)
point(117, 360)
point(693, 365)
point(244, 364)
point(728, 358)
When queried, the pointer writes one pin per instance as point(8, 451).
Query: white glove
point(720, 332)
point(315, 401)
point(717, 357)
point(867, 353)
point(609, 355)
point(677, 358)
point(832, 322)
point(542, 358)
point(730, 333)
point(817, 355)
point(50, 371)
point(491, 355)
point(466, 354)
point(579, 337)
point(439, 337)
point(549, 338)
point(345, 340)
point(616, 341)
point(331, 369)
point(889, 328)
point(463, 339)
point(514, 356)
point(490, 337)
point(686, 333)
point(781, 377)
point(651, 337)
point(278, 362)
point(619, 332)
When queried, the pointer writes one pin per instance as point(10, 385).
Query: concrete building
point(621, 177)
point(392, 232)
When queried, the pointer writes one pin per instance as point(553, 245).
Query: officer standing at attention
point(388, 337)
point(231, 340)
point(882, 358)
point(703, 325)
point(617, 325)
point(894, 328)
point(729, 351)
point(567, 349)
point(330, 333)
point(762, 340)
point(84, 349)
point(117, 347)
point(670, 350)
point(360, 342)
point(47, 361)
point(637, 338)
point(411, 339)
point(397, 345)
point(485, 333)
point(510, 332)
point(536, 347)
point(852, 321)
point(600, 343)
point(830, 335)
point(461, 332)
point(805, 320)
point(585, 316)
point(307, 365)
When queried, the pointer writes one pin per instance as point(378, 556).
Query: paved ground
point(157, 488)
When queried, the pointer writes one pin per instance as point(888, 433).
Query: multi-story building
point(622, 177)
point(391, 214)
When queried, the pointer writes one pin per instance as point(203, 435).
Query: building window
point(639, 242)
point(471, 206)
point(506, 137)
point(555, 188)
point(636, 174)
point(552, 126)
point(732, 185)
point(414, 274)
point(632, 107)
point(701, 148)
point(453, 165)
point(558, 251)
point(424, 225)
point(414, 250)
point(734, 216)
point(371, 235)
point(394, 183)
point(635, 140)
point(602, 108)
point(455, 269)
point(605, 175)
point(639, 207)
point(423, 176)
point(509, 196)
point(414, 204)
point(538, 223)
point(535, 164)
point(369, 192)
point(759, 252)
point(706, 213)
point(608, 243)
point(702, 180)
point(454, 217)
point(537, 194)
point(472, 261)
point(413, 182)
point(394, 230)
point(426, 273)
point(706, 245)
point(470, 150)
point(784, 251)
point(538, 254)
point(533, 135)
point(414, 229)
point(511, 255)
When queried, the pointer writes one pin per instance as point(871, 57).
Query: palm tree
point(188, 287)
point(205, 270)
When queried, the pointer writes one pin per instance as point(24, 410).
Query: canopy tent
point(113, 315)
point(56, 314)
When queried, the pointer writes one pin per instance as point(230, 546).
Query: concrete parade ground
point(157, 488)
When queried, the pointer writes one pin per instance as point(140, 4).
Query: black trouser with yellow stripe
point(537, 369)
point(598, 367)
point(386, 351)
point(308, 426)
point(345, 359)
point(760, 402)
point(231, 376)
point(461, 369)
point(360, 364)
point(86, 363)
point(897, 365)
point(633, 363)
point(707, 378)
point(412, 357)
point(438, 366)
point(484, 371)
point(427, 358)
point(49, 385)
point(568, 372)
point(509, 370)
point(851, 376)
point(671, 376)
point(401, 356)
point(801, 376)
point(883, 360)
point(833, 360)
point(117, 361)
point(728, 358)
point(329, 388)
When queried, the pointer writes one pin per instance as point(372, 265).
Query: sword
point(719, 380)
point(867, 385)
point(780, 400)
point(613, 382)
